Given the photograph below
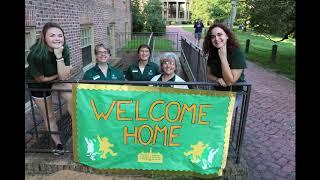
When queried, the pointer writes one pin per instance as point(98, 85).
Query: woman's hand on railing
point(221, 82)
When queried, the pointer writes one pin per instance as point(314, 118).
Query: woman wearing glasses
point(168, 64)
point(143, 70)
point(103, 70)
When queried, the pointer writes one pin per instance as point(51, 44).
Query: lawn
point(260, 51)
point(161, 44)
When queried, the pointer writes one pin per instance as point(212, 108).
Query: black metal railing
point(196, 63)
point(39, 140)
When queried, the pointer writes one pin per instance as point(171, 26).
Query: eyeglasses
point(168, 63)
point(145, 51)
point(103, 52)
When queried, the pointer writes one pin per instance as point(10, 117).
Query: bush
point(186, 22)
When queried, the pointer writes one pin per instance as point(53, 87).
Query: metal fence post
point(247, 46)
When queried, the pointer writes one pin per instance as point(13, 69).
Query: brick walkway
point(269, 140)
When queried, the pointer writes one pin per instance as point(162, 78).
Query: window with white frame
point(30, 39)
point(86, 44)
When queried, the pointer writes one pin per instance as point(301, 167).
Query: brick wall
point(70, 14)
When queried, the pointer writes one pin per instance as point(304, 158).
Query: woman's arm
point(42, 78)
point(230, 76)
point(211, 77)
point(63, 70)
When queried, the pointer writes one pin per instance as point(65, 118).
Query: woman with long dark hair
point(226, 61)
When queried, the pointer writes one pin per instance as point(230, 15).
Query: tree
point(153, 16)
point(200, 8)
point(219, 10)
point(233, 13)
point(272, 16)
point(137, 17)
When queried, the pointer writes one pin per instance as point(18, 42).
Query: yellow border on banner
point(153, 89)
point(74, 122)
point(227, 133)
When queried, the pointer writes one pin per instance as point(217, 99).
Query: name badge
point(96, 77)
point(150, 72)
point(113, 77)
point(134, 70)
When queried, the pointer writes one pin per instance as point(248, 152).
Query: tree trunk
point(233, 13)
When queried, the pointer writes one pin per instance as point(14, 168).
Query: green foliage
point(153, 16)
point(273, 16)
point(200, 8)
point(137, 17)
point(242, 13)
point(219, 10)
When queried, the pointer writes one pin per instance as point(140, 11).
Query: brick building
point(85, 22)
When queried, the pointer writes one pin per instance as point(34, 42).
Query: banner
point(118, 127)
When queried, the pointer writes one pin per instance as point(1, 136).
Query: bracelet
point(60, 58)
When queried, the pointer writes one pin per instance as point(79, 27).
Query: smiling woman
point(143, 69)
point(168, 64)
point(102, 70)
point(49, 60)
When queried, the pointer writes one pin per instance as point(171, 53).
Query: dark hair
point(40, 49)
point(143, 46)
point(231, 42)
point(99, 46)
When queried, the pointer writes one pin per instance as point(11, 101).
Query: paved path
point(269, 140)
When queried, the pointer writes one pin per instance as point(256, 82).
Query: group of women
point(49, 60)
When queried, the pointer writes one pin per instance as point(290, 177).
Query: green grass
point(133, 44)
point(260, 51)
point(161, 44)
point(188, 28)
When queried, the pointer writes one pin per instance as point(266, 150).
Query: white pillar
point(177, 6)
point(185, 11)
point(167, 9)
point(188, 12)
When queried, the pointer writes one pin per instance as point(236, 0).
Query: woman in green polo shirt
point(49, 60)
point(102, 70)
point(143, 70)
point(226, 62)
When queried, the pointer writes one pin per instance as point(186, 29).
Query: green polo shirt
point(46, 67)
point(95, 73)
point(134, 73)
point(236, 60)
point(173, 79)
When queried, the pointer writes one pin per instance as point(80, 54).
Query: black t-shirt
point(236, 61)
